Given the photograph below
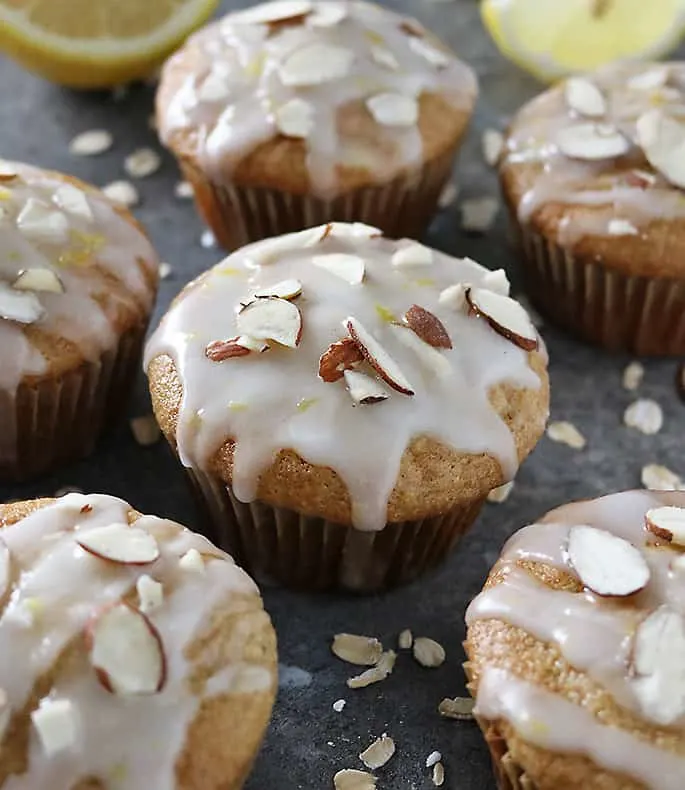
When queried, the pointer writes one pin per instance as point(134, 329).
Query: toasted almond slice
point(338, 358)
point(143, 162)
point(74, 201)
point(120, 543)
point(38, 280)
point(584, 97)
point(662, 138)
point(460, 708)
point(412, 254)
point(405, 640)
point(501, 493)
point(276, 11)
point(605, 563)
point(454, 296)
point(374, 675)
point(393, 109)
point(656, 477)
point(150, 593)
point(8, 172)
point(55, 722)
point(5, 570)
point(645, 415)
point(295, 118)
point(39, 221)
point(351, 779)
point(122, 192)
point(285, 289)
point(364, 390)
point(432, 358)
point(492, 144)
point(438, 776)
point(327, 15)
point(478, 214)
point(592, 141)
point(221, 350)
point(145, 430)
point(316, 64)
point(428, 652)
point(378, 753)
point(633, 375)
point(621, 227)
point(497, 281)
point(355, 649)
point(192, 561)
point(667, 523)
point(91, 143)
point(126, 651)
point(378, 357)
point(436, 57)
point(642, 179)
point(505, 316)
point(649, 80)
point(566, 433)
point(349, 268)
point(348, 230)
point(271, 319)
point(385, 58)
point(427, 326)
point(23, 307)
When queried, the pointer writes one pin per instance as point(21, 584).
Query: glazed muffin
point(593, 176)
point(295, 113)
point(343, 403)
point(134, 653)
point(576, 648)
point(79, 279)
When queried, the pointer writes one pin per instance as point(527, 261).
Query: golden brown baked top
point(313, 96)
point(351, 376)
point(577, 644)
point(75, 272)
point(128, 645)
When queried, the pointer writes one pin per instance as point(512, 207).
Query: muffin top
point(124, 641)
point(394, 379)
point(597, 162)
point(75, 273)
point(313, 96)
point(577, 644)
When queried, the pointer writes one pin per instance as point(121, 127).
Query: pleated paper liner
point(60, 419)
point(239, 214)
point(280, 546)
point(642, 315)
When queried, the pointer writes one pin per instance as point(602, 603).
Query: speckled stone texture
point(308, 742)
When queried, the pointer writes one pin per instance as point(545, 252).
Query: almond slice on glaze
point(295, 118)
point(8, 172)
point(378, 357)
point(393, 109)
point(74, 201)
point(364, 390)
point(328, 15)
point(584, 97)
point(454, 296)
point(649, 80)
point(316, 64)
point(662, 138)
point(5, 568)
point(606, 564)
point(412, 254)
point(505, 316)
point(24, 307)
point(496, 281)
point(271, 319)
point(221, 350)
point(349, 268)
point(55, 722)
point(285, 289)
point(667, 523)
point(126, 651)
point(38, 280)
point(431, 357)
point(338, 358)
point(276, 11)
point(41, 222)
point(436, 57)
point(120, 543)
point(427, 326)
point(384, 57)
point(592, 141)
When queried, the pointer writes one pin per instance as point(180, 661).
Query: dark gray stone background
point(308, 742)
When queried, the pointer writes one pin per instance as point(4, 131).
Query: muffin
point(343, 403)
point(134, 653)
point(576, 648)
point(79, 279)
point(593, 177)
point(291, 114)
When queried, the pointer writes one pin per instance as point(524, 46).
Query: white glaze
point(76, 315)
point(594, 634)
point(560, 179)
point(254, 399)
point(239, 60)
point(127, 742)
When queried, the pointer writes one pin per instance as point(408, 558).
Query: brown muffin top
point(396, 381)
point(133, 653)
point(576, 646)
point(596, 164)
point(75, 273)
point(313, 96)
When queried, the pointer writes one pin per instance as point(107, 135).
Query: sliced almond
point(120, 543)
point(667, 523)
point(405, 640)
point(295, 118)
point(438, 776)
point(478, 214)
point(427, 326)
point(584, 97)
point(351, 779)
point(376, 674)
point(657, 477)
point(605, 563)
point(126, 651)
point(436, 57)
point(55, 721)
point(150, 594)
point(492, 144)
point(339, 357)
point(428, 652)
point(501, 493)
point(454, 297)
point(192, 561)
point(384, 57)
point(645, 415)
point(5, 569)
point(621, 227)
point(432, 759)
point(566, 433)
point(633, 375)
point(377, 754)
point(316, 64)
point(460, 708)
point(649, 80)
point(277, 11)
point(327, 15)
point(285, 289)
point(38, 280)
point(221, 350)
point(364, 390)
point(122, 192)
point(214, 88)
point(658, 651)
point(271, 319)
point(143, 162)
point(592, 141)
point(91, 143)
point(349, 268)
point(642, 179)
point(74, 201)
point(348, 230)
point(431, 357)
point(497, 281)
point(662, 138)
point(412, 254)
point(23, 307)
point(505, 316)
point(40, 222)
point(8, 172)
point(378, 357)
point(359, 650)
point(145, 430)
point(393, 109)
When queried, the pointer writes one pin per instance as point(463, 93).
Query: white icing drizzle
point(127, 742)
point(84, 250)
point(238, 87)
point(553, 177)
point(254, 399)
point(594, 634)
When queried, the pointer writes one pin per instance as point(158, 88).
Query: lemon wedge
point(96, 43)
point(553, 38)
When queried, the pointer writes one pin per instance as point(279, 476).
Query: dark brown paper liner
point(282, 546)
point(642, 315)
point(238, 214)
point(60, 419)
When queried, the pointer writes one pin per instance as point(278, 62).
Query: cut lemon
point(553, 38)
point(96, 43)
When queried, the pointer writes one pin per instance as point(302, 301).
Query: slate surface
point(308, 741)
